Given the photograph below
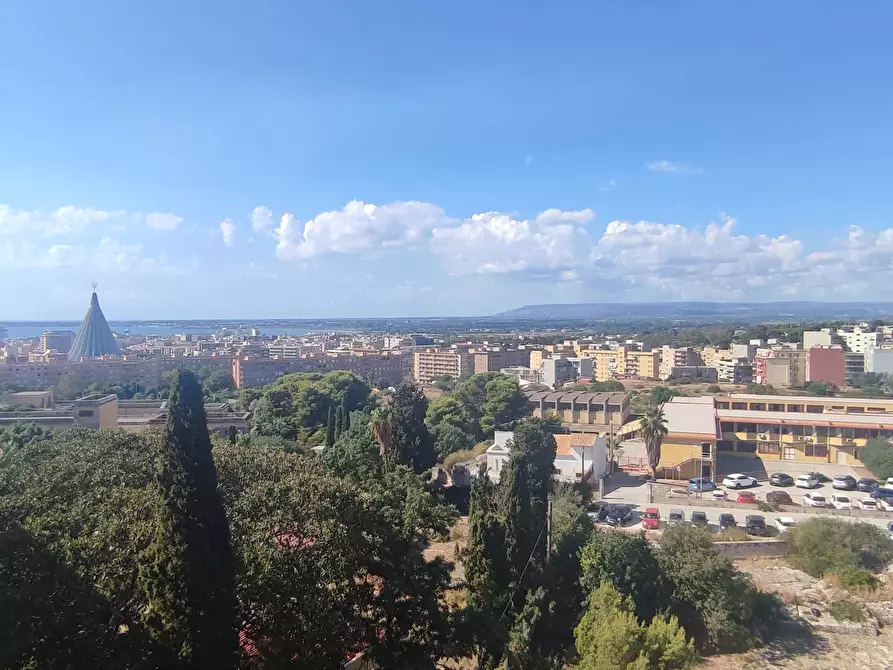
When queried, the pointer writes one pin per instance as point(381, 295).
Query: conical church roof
point(95, 338)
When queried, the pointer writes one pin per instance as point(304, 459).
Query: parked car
point(779, 498)
point(806, 482)
point(719, 494)
point(781, 479)
point(676, 516)
point(818, 475)
point(814, 500)
point(841, 502)
point(738, 481)
point(755, 524)
point(886, 504)
point(651, 519)
point(867, 503)
point(699, 519)
point(746, 497)
point(784, 524)
point(619, 515)
point(867, 484)
point(843, 482)
point(881, 493)
point(597, 510)
point(701, 484)
point(889, 483)
point(727, 521)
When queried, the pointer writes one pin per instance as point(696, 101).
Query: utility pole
point(549, 532)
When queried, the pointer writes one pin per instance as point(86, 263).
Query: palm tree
point(654, 430)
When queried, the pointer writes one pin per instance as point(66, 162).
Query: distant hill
point(700, 310)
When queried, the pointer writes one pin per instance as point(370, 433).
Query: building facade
point(57, 340)
point(826, 364)
point(580, 410)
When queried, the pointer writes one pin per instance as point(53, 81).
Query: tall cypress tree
point(330, 428)
point(339, 422)
point(345, 415)
point(187, 572)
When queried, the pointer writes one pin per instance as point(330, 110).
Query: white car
point(814, 500)
point(806, 482)
point(738, 481)
point(886, 504)
point(784, 524)
point(841, 502)
point(719, 494)
point(889, 483)
point(867, 503)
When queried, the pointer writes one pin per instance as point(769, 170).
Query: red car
point(746, 497)
point(651, 519)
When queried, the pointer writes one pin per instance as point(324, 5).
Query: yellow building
point(689, 449)
point(712, 356)
point(536, 357)
point(582, 411)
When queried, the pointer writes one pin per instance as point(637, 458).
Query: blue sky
point(297, 159)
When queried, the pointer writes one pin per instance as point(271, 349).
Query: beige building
point(582, 411)
point(430, 364)
point(623, 363)
point(781, 367)
point(712, 355)
point(677, 357)
point(536, 358)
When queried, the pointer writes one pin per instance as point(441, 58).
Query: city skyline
point(404, 160)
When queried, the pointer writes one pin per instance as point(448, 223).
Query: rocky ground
point(815, 639)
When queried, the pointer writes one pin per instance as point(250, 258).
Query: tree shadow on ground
point(792, 638)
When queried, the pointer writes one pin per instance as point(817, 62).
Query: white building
point(578, 457)
point(879, 360)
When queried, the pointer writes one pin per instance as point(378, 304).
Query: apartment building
point(735, 370)
point(857, 339)
point(491, 361)
point(712, 355)
point(826, 364)
point(639, 364)
point(693, 372)
point(879, 360)
point(582, 411)
point(780, 366)
point(677, 357)
point(57, 340)
point(747, 351)
point(432, 363)
point(855, 365)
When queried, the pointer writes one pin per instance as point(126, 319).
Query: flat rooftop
point(807, 418)
point(809, 399)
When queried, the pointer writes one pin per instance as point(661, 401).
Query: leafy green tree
point(760, 389)
point(662, 394)
point(716, 604)
point(822, 388)
point(492, 402)
point(823, 546)
point(339, 421)
point(412, 442)
point(654, 430)
point(21, 434)
point(627, 562)
point(444, 383)
point(450, 439)
point(448, 410)
point(877, 455)
point(356, 452)
point(345, 416)
point(609, 636)
point(219, 380)
point(533, 440)
point(188, 571)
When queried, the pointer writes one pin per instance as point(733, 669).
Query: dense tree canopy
point(296, 406)
point(877, 455)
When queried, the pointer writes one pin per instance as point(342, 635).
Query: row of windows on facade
point(810, 409)
point(806, 431)
point(742, 446)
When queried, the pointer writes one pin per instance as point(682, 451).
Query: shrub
point(714, 388)
point(877, 455)
point(846, 610)
point(824, 546)
point(857, 579)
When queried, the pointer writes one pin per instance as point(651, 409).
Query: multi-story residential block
point(522, 373)
point(639, 364)
point(712, 355)
point(536, 358)
point(747, 351)
point(582, 411)
point(677, 357)
point(735, 370)
point(432, 363)
point(780, 366)
point(555, 371)
point(855, 365)
point(826, 364)
point(491, 361)
point(857, 339)
point(879, 360)
point(57, 340)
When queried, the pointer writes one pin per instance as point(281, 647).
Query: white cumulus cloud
point(163, 221)
point(261, 218)
point(228, 232)
point(498, 243)
point(358, 227)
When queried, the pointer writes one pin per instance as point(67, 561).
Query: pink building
point(826, 364)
